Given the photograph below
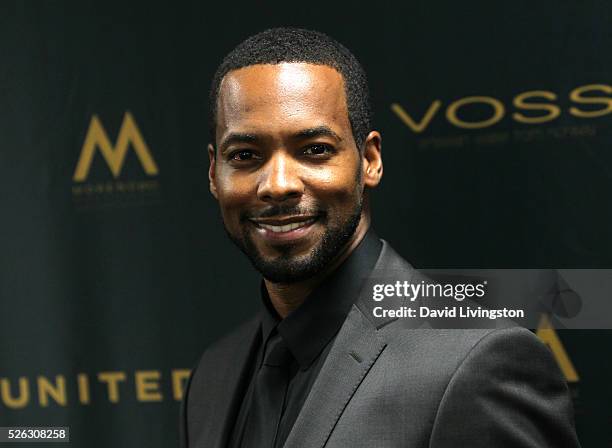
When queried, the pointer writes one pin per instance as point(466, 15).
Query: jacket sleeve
point(507, 392)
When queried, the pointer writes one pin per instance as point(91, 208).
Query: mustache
point(282, 210)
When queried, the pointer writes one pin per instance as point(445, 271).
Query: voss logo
point(531, 107)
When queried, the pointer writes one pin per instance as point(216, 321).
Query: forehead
point(281, 98)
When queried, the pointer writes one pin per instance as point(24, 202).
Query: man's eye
point(317, 150)
point(242, 155)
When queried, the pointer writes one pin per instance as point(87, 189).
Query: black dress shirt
point(309, 332)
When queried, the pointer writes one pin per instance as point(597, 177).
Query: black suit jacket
point(386, 384)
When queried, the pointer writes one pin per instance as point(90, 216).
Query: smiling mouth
point(284, 225)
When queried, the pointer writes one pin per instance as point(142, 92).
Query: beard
point(287, 268)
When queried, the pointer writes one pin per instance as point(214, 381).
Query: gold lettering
point(83, 388)
point(576, 97)
point(179, 378)
point(548, 335)
point(97, 137)
point(24, 393)
point(498, 112)
point(112, 379)
point(147, 385)
point(519, 103)
point(413, 125)
point(56, 391)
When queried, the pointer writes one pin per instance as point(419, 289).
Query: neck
point(286, 297)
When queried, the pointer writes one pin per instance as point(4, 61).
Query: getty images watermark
point(482, 298)
point(409, 292)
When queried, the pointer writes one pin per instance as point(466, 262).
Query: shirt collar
point(309, 328)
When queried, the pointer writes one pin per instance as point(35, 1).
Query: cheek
point(234, 195)
point(340, 184)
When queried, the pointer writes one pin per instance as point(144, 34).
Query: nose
point(280, 180)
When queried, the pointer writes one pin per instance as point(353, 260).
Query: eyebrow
point(317, 131)
point(238, 137)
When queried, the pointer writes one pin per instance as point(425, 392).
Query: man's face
point(287, 173)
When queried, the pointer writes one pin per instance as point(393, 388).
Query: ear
point(372, 160)
point(212, 180)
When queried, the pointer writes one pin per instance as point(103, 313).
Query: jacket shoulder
point(508, 375)
point(223, 347)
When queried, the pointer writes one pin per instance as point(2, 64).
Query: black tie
point(268, 395)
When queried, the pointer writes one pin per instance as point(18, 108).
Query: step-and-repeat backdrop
point(115, 271)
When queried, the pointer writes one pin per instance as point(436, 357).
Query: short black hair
point(278, 45)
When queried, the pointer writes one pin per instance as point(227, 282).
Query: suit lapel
point(228, 390)
point(355, 349)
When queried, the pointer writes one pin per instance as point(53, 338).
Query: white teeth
point(287, 227)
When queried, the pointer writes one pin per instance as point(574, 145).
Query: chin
point(290, 268)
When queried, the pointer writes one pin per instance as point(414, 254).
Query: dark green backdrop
point(111, 285)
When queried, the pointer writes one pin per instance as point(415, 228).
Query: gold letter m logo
point(96, 137)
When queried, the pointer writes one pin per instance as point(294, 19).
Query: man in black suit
point(292, 161)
